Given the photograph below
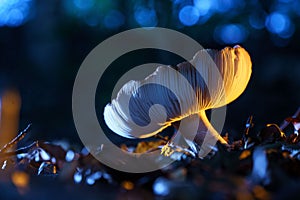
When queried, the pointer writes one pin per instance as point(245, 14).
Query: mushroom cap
point(144, 108)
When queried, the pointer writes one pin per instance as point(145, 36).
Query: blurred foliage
point(42, 44)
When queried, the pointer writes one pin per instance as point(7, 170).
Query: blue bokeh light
point(177, 1)
point(280, 24)
point(114, 19)
point(285, 1)
point(160, 187)
point(287, 33)
point(257, 20)
point(15, 18)
point(77, 177)
point(84, 4)
point(70, 155)
point(79, 7)
point(231, 34)
point(203, 6)
point(189, 15)
point(276, 22)
point(14, 12)
point(223, 5)
point(145, 17)
point(92, 12)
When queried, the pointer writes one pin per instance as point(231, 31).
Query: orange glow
point(20, 179)
point(10, 104)
point(245, 154)
point(128, 185)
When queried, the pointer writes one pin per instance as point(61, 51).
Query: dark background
point(43, 43)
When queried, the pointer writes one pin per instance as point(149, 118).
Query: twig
point(249, 125)
point(18, 151)
point(16, 139)
point(161, 137)
point(4, 155)
point(286, 123)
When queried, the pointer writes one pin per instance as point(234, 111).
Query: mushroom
point(170, 95)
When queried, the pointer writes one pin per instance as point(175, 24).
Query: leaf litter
point(263, 165)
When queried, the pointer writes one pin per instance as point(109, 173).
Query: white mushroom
point(144, 108)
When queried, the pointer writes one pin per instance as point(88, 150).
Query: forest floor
point(263, 165)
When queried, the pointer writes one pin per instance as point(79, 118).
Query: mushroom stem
point(203, 127)
point(210, 128)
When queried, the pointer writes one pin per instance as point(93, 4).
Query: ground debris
point(256, 166)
